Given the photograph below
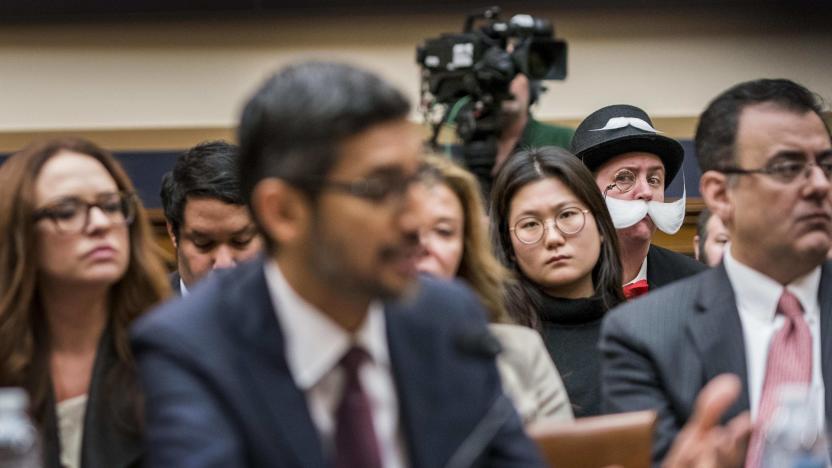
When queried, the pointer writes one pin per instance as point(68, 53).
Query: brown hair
point(24, 341)
point(478, 266)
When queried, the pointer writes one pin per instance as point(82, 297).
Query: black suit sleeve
point(630, 379)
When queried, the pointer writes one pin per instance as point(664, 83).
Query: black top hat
point(619, 129)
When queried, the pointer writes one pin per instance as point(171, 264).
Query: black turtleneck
point(571, 328)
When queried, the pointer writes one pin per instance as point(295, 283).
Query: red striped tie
point(789, 361)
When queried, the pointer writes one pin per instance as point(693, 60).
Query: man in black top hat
point(633, 164)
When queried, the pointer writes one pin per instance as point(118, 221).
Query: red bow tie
point(635, 289)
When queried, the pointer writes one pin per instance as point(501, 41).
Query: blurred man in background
point(710, 239)
point(206, 216)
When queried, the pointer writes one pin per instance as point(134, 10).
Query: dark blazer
point(175, 284)
point(659, 351)
point(666, 266)
point(219, 392)
point(105, 443)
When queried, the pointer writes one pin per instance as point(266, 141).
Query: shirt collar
point(642, 273)
point(759, 294)
point(183, 290)
point(314, 343)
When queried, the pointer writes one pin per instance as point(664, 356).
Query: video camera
point(466, 77)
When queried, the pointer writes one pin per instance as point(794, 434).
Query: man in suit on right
point(766, 159)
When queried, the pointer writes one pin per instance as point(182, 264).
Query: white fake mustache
point(668, 217)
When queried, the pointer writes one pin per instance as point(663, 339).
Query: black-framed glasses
point(71, 215)
point(786, 171)
point(379, 188)
point(530, 229)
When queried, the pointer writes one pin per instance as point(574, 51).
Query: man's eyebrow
point(250, 228)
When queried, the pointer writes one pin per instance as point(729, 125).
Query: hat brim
point(667, 149)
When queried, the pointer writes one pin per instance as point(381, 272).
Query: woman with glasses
point(551, 228)
point(454, 243)
point(77, 265)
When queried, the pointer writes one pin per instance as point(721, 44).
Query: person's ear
point(171, 234)
point(282, 211)
point(696, 247)
point(714, 187)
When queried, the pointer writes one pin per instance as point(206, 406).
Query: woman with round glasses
point(551, 228)
point(454, 243)
point(77, 265)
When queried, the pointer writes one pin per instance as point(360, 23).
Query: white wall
point(196, 73)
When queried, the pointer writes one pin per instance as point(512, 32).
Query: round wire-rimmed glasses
point(71, 215)
point(530, 229)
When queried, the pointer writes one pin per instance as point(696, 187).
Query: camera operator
point(482, 81)
point(520, 129)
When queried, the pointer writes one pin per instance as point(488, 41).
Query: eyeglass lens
point(788, 171)
point(72, 215)
point(569, 221)
point(624, 181)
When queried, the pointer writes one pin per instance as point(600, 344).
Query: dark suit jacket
point(105, 442)
point(219, 392)
point(659, 351)
point(666, 266)
point(175, 285)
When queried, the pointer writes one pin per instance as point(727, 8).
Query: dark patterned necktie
point(356, 445)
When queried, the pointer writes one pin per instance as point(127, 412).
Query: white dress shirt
point(314, 346)
point(183, 290)
point(757, 296)
point(642, 273)
point(70, 414)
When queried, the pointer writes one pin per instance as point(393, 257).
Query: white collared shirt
point(314, 346)
point(757, 296)
point(183, 290)
point(642, 273)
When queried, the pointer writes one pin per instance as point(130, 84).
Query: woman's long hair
point(525, 298)
point(24, 340)
point(478, 267)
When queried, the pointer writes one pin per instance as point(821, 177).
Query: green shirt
point(537, 134)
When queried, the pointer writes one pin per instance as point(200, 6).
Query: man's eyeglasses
point(625, 179)
point(786, 171)
point(71, 215)
point(379, 188)
point(530, 230)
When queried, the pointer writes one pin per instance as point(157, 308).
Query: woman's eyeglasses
point(530, 230)
point(71, 215)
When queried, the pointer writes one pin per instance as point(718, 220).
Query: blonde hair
point(478, 267)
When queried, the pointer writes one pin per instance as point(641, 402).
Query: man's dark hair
point(716, 133)
point(702, 231)
point(293, 125)
point(207, 170)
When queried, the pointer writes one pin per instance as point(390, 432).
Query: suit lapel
point(252, 315)
point(717, 334)
point(825, 300)
point(104, 442)
point(410, 342)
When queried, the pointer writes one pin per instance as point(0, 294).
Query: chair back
point(622, 440)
